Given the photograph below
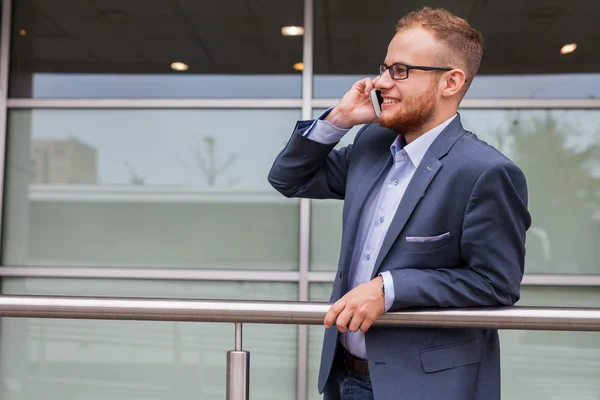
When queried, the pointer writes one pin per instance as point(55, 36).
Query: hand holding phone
point(355, 107)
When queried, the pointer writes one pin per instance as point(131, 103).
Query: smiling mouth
point(390, 101)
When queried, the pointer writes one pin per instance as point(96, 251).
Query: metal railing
point(270, 312)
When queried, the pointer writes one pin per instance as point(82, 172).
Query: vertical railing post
point(238, 369)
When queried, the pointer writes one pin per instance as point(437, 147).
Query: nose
point(383, 82)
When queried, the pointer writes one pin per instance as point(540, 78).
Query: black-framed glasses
point(399, 71)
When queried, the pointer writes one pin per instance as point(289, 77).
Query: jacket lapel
point(427, 170)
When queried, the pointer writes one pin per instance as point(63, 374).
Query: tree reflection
point(563, 193)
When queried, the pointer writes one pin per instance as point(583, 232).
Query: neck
point(434, 121)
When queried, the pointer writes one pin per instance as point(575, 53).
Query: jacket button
point(341, 275)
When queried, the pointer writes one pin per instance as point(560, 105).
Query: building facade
point(69, 162)
point(137, 136)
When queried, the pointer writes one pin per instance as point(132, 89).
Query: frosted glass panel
point(151, 188)
point(544, 365)
point(559, 152)
point(115, 360)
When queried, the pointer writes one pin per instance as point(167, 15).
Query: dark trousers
point(345, 384)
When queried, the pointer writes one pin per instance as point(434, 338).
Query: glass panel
point(150, 188)
point(558, 151)
point(552, 365)
point(320, 291)
point(81, 359)
point(351, 41)
point(152, 48)
point(536, 365)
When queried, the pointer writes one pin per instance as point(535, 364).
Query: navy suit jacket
point(466, 193)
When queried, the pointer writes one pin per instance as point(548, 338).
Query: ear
point(453, 82)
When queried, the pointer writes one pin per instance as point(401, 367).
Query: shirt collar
point(417, 148)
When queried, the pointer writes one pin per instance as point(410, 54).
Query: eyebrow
point(397, 62)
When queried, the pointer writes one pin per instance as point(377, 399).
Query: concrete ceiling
point(244, 36)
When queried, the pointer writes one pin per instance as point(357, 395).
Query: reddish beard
point(411, 113)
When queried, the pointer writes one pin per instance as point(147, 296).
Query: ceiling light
point(22, 32)
point(299, 66)
point(179, 66)
point(292, 31)
point(568, 48)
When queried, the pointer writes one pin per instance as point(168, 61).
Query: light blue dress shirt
point(378, 212)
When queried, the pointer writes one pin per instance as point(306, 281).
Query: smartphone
point(376, 101)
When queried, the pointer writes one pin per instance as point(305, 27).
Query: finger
point(369, 85)
point(366, 324)
point(343, 320)
point(333, 312)
point(356, 322)
point(374, 81)
point(362, 84)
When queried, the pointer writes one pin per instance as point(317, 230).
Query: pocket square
point(424, 239)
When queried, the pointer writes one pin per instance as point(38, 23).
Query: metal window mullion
point(161, 274)
point(155, 103)
point(508, 103)
point(304, 234)
point(4, 67)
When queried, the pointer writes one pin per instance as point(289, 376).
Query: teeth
point(391, 101)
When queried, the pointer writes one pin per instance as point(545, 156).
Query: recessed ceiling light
point(22, 32)
point(292, 31)
point(299, 66)
point(179, 66)
point(568, 48)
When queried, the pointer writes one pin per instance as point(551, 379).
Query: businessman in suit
point(432, 217)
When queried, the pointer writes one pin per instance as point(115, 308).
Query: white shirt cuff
point(323, 131)
point(390, 295)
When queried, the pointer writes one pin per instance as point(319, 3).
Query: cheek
point(411, 90)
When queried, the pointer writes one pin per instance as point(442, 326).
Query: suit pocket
point(451, 356)
point(420, 244)
point(423, 239)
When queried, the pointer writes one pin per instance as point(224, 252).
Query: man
point(433, 217)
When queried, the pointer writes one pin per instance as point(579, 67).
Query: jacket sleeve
point(492, 246)
point(306, 168)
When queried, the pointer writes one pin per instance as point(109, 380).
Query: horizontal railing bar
point(271, 312)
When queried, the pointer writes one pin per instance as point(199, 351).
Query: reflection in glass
point(559, 152)
point(166, 188)
point(523, 61)
point(114, 360)
point(128, 49)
